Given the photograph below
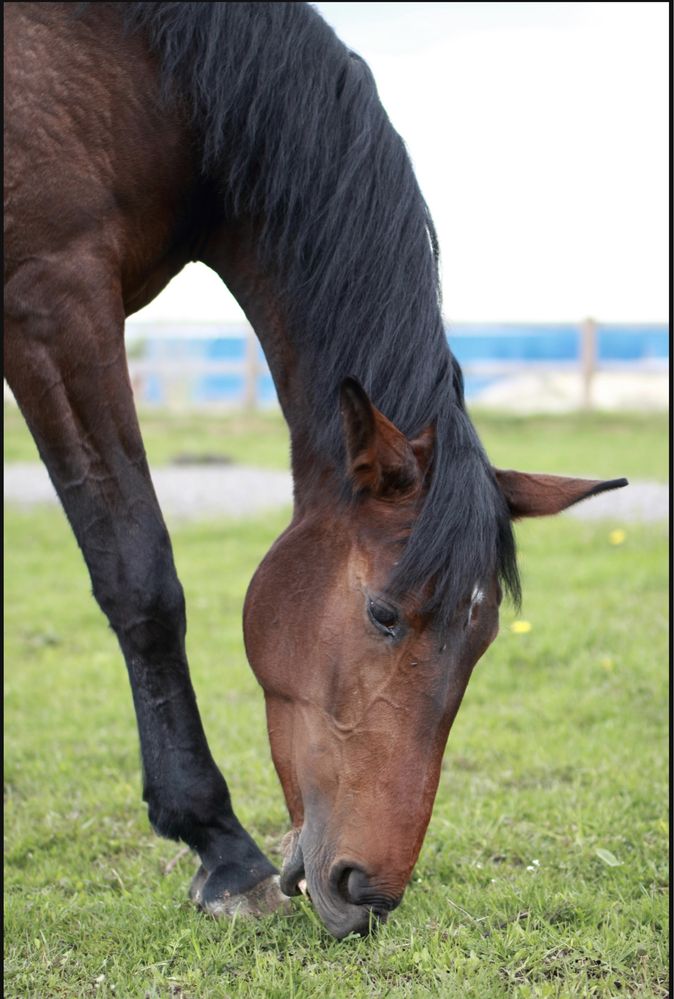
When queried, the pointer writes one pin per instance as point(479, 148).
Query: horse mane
point(293, 133)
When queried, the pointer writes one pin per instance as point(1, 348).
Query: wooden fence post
point(588, 360)
point(252, 371)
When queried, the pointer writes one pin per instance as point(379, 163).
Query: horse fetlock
point(225, 849)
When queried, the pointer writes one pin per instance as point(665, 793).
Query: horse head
point(361, 684)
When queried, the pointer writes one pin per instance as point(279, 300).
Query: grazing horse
point(141, 136)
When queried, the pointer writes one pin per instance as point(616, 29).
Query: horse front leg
point(67, 369)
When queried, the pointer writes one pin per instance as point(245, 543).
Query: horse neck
point(231, 253)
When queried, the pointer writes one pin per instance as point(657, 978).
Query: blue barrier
point(476, 346)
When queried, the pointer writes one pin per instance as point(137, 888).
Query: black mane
point(293, 132)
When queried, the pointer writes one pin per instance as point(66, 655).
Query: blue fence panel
point(473, 344)
point(633, 343)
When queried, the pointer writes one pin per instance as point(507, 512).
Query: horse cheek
point(282, 732)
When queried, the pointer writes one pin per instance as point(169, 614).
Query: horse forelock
point(293, 132)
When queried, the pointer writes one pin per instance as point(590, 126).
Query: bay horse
point(141, 136)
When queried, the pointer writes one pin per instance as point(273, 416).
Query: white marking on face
point(477, 596)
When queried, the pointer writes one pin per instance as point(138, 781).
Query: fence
point(201, 365)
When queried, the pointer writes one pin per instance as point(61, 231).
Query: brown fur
point(104, 203)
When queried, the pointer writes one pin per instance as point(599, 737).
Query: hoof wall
point(262, 899)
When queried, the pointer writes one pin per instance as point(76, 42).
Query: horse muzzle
point(346, 898)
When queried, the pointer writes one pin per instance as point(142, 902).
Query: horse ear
point(380, 459)
point(530, 495)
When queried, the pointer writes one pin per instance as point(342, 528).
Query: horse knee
point(145, 605)
point(158, 625)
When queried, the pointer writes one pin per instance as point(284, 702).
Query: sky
point(539, 137)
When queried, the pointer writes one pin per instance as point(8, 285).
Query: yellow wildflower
point(520, 627)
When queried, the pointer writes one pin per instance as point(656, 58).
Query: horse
point(142, 136)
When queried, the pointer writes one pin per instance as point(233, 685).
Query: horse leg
point(65, 362)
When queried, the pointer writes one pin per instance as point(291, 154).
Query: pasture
point(592, 444)
point(544, 870)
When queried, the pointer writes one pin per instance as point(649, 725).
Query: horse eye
point(383, 616)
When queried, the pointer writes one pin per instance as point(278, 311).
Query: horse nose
point(356, 887)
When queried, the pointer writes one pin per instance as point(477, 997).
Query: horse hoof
point(262, 899)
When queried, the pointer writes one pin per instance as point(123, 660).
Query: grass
point(544, 870)
point(598, 445)
point(259, 438)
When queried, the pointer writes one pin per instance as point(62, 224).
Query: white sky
point(539, 136)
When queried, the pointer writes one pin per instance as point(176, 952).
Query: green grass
point(246, 438)
point(558, 751)
point(596, 445)
point(606, 445)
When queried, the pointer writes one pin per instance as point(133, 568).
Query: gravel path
point(639, 501)
point(191, 493)
point(207, 491)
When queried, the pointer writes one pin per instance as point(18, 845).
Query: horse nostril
point(353, 886)
point(357, 885)
point(339, 881)
point(347, 882)
point(362, 890)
